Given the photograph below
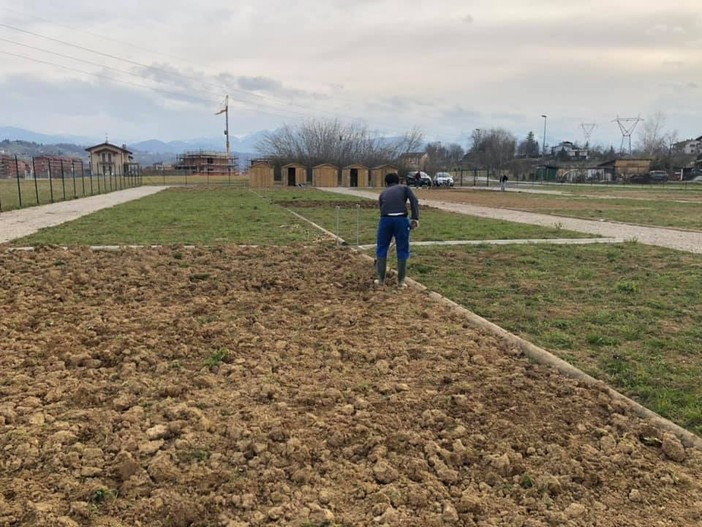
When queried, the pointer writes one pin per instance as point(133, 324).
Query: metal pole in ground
point(73, 175)
point(51, 183)
point(19, 187)
point(358, 224)
point(36, 187)
point(63, 181)
point(82, 176)
point(338, 209)
point(91, 177)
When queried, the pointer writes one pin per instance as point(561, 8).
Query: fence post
point(358, 224)
point(19, 187)
point(63, 181)
point(36, 187)
point(91, 175)
point(51, 183)
point(73, 175)
point(82, 176)
point(338, 209)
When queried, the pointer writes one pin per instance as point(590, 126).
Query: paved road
point(23, 222)
point(670, 238)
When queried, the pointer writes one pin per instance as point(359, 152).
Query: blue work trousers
point(397, 227)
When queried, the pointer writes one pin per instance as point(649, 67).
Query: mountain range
point(245, 144)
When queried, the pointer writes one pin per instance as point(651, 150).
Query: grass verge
point(197, 215)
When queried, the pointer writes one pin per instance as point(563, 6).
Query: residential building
point(414, 161)
point(689, 146)
point(111, 160)
point(569, 149)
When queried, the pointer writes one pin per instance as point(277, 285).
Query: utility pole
point(225, 111)
point(543, 139)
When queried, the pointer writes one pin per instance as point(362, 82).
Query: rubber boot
point(401, 273)
point(381, 265)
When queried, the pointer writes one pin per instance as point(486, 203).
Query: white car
point(443, 179)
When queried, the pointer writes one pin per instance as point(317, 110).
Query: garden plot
point(274, 386)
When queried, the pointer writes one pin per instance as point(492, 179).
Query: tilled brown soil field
point(255, 386)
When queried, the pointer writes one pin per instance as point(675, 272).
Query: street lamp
point(543, 139)
point(475, 148)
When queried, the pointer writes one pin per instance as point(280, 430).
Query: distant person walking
point(394, 224)
point(503, 183)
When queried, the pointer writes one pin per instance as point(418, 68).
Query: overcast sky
point(160, 69)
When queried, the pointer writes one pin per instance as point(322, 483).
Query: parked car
point(658, 176)
point(443, 179)
point(418, 179)
point(640, 178)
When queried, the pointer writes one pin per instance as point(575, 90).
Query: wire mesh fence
point(44, 180)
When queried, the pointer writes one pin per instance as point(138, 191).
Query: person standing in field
point(395, 224)
point(503, 183)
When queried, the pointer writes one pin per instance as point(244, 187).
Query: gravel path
point(23, 222)
point(670, 238)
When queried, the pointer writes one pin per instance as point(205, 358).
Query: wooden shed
point(261, 174)
point(325, 175)
point(355, 176)
point(377, 177)
point(625, 168)
point(294, 174)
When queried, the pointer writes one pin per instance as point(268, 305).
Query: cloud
point(392, 63)
point(260, 84)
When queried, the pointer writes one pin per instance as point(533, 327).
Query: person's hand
point(414, 224)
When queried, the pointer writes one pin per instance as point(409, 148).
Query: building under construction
point(12, 167)
point(203, 162)
point(57, 166)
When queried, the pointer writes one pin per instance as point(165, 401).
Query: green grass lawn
point(43, 191)
point(661, 210)
point(196, 215)
point(659, 213)
point(627, 314)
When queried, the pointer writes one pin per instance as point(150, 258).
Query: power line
point(286, 104)
point(103, 66)
point(152, 88)
point(34, 16)
point(179, 95)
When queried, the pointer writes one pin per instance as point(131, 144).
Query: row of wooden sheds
point(265, 175)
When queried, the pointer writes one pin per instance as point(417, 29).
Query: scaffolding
point(207, 162)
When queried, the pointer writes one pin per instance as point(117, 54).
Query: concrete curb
point(546, 358)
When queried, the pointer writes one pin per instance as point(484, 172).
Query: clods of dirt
point(275, 386)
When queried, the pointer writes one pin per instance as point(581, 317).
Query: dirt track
point(243, 387)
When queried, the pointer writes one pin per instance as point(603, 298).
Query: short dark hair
point(392, 179)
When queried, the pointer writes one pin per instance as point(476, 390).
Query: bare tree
point(318, 141)
point(443, 157)
point(493, 149)
point(653, 140)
